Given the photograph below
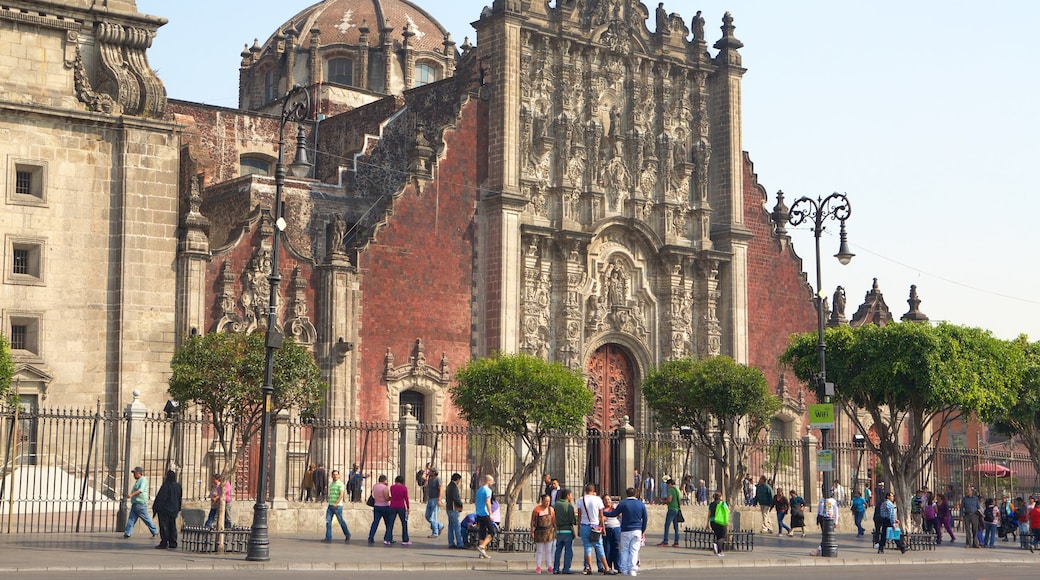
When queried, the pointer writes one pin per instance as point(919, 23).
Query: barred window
point(23, 182)
point(19, 336)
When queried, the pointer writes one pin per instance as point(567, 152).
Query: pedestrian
point(991, 518)
point(611, 534)
point(930, 515)
point(565, 522)
point(718, 522)
point(543, 532)
point(749, 491)
point(321, 482)
point(944, 518)
point(355, 483)
point(554, 490)
point(797, 512)
point(633, 530)
point(702, 493)
point(337, 493)
point(970, 518)
point(380, 502)
point(782, 506)
point(399, 506)
point(764, 499)
point(219, 490)
point(859, 509)
point(648, 488)
point(138, 497)
point(421, 478)
point(453, 503)
point(838, 493)
point(1022, 513)
point(434, 490)
point(546, 483)
point(590, 510)
point(307, 485)
point(889, 520)
point(1033, 516)
point(484, 510)
point(166, 506)
point(671, 517)
point(637, 482)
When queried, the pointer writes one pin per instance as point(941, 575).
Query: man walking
point(483, 511)
point(764, 499)
point(633, 530)
point(138, 497)
point(166, 507)
point(433, 502)
point(337, 492)
point(453, 503)
point(671, 516)
point(970, 509)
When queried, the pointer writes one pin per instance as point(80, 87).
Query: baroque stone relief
point(613, 305)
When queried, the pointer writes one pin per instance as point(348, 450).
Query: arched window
point(341, 71)
point(248, 165)
point(269, 86)
point(425, 74)
point(418, 402)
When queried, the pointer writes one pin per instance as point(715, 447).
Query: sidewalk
point(97, 552)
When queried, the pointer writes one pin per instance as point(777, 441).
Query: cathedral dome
point(339, 21)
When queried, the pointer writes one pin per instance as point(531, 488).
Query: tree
point(1020, 414)
point(726, 405)
point(909, 381)
point(6, 372)
point(223, 373)
point(521, 397)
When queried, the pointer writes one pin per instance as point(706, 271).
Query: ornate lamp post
point(835, 206)
point(295, 108)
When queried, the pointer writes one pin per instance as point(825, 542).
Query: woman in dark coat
point(166, 507)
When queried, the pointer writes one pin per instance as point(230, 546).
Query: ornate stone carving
point(300, 326)
point(535, 339)
point(97, 102)
point(416, 366)
point(230, 320)
point(127, 78)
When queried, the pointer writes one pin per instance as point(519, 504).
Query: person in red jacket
point(1034, 525)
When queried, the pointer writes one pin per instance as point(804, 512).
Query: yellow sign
point(821, 416)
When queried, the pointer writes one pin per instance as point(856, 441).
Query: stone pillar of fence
point(279, 465)
point(133, 454)
point(810, 490)
point(407, 443)
point(629, 458)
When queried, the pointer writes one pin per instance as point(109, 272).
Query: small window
point(269, 86)
point(27, 183)
point(251, 165)
point(25, 335)
point(25, 261)
point(341, 71)
point(425, 74)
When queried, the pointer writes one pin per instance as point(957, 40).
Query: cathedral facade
point(571, 186)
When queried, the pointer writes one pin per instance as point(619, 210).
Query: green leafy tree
point(909, 381)
point(1020, 413)
point(223, 373)
point(6, 372)
point(519, 396)
point(727, 406)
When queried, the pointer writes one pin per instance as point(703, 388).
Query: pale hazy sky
point(924, 113)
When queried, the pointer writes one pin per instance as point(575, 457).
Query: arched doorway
point(610, 375)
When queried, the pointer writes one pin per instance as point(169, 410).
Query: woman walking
point(944, 518)
point(859, 508)
point(888, 520)
point(718, 522)
point(797, 512)
point(782, 506)
point(399, 506)
point(381, 511)
point(543, 531)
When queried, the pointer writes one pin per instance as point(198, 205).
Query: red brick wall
point(779, 301)
point(416, 277)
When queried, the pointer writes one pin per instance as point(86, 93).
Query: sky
point(925, 114)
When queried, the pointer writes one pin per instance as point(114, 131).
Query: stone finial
point(915, 314)
point(874, 310)
point(729, 44)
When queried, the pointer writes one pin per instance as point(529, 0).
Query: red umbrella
point(991, 470)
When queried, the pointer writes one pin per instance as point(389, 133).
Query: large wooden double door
point(610, 375)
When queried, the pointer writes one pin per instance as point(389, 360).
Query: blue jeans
point(669, 520)
point(432, 510)
point(858, 517)
point(139, 510)
point(381, 513)
point(211, 518)
point(780, 525)
point(991, 535)
point(589, 546)
point(455, 529)
point(612, 537)
point(564, 545)
point(336, 510)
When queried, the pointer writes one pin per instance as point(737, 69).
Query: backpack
point(988, 515)
point(929, 512)
point(721, 514)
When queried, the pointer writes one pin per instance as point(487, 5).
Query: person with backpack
point(718, 522)
point(991, 518)
point(930, 514)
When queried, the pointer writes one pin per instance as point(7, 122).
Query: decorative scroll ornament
point(300, 326)
point(230, 320)
point(416, 366)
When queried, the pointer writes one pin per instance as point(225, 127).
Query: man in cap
point(138, 497)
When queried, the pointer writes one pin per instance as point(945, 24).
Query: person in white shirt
point(590, 509)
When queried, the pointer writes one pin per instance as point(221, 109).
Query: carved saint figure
point(698, 26)
point(839, 301)
point(616, 287)
point(662, 18)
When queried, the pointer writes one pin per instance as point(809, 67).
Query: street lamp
point(835, 206)
point(295, 108)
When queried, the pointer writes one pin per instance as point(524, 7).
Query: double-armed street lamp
point(295, 108)
point(817, 211)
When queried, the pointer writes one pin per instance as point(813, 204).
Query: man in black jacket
point(166, 506)
point(453, 503)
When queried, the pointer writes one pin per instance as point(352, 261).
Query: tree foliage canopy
point(908, 381)
point(726, 404)
point(525, 397)
point(1020, 413)
point(223, 373)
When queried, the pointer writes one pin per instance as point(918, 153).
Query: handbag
point(679, 517)
point(895, 534)
point(594, 535)
point(371, 501)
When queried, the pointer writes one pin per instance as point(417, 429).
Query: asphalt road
point(1027, 569)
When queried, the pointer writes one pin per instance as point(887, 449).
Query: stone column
point(279, 466)
point(629, 456)
point(810, 485)
point(407, 443)
point(133, 453)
